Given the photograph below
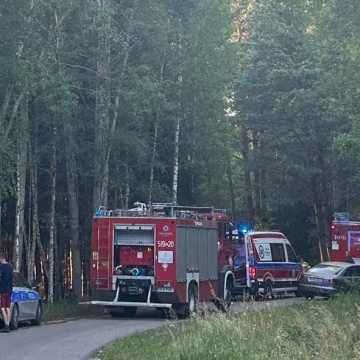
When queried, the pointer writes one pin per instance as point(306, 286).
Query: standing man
point(6, 285)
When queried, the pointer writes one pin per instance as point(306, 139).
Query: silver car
point(328, 278)
point(26, 304)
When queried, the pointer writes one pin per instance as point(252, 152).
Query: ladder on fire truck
point(166, 210)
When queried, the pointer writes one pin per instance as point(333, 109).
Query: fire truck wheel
point(268, 292)
point(191, 307)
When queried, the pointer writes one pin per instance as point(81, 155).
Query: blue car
point(26, 304)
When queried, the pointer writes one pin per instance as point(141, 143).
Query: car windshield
point(326, 269)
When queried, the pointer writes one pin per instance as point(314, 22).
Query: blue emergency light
point(244, 227)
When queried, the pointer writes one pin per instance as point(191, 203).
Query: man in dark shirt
point(6, 285)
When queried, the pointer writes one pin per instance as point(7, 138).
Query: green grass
point(313, 330)
point(61, 310)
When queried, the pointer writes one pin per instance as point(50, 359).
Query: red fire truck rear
point(345, 238)
point(167, 257)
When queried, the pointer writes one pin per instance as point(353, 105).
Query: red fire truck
point(167, 257)
point(345, 238)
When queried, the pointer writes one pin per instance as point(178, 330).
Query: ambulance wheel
point(268, 290)
point(192, 305)
point(228, 294)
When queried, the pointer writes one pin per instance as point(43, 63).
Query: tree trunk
point(231, 188)
point(35, 230)
point(153, 157)
point(103, 105)
point(176, 162)
point(155, 139)
point(178, 113)
point(52, 225)
point(20, 189)
point(127, 188)
point(72, 187)
point(247, 174)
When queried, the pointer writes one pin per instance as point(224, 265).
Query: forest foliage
point(249, 105)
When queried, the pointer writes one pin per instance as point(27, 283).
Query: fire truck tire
point(191, 307)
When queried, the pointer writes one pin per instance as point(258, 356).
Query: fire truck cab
point(345, 238)
point(166, 257)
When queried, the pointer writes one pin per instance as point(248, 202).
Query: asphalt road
point(74, 340)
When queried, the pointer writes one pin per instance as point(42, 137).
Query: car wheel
point(39, 313)
point(14, 323)
point(308, 296)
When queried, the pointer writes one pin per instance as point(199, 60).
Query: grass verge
point(313, 330)
point(61, 310)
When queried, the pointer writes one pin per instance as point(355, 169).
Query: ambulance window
point(290, 253)
point(277, 252)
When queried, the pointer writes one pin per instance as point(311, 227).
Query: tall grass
point(314, 330)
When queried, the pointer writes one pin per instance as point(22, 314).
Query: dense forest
point(249, 105)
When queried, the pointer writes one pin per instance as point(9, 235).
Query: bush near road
point(313, 330)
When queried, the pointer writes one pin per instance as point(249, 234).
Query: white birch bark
point(52, 225)
point(176, 161)
point(20, 189)
point(72, 189)
point(178, 118)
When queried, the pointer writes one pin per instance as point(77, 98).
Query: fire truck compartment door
point(134, 235)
